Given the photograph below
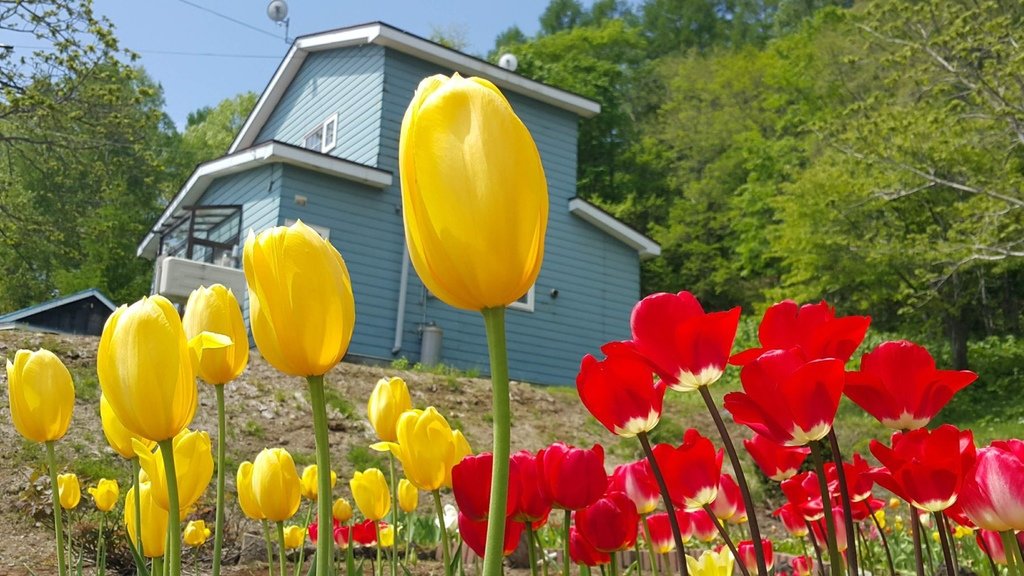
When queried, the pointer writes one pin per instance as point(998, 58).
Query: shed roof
point(24, 313)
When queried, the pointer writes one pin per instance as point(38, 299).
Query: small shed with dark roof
point(83, 312)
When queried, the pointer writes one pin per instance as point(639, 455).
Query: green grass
point(361, 458)
point(87, 385)
point(335, 400)
point(254, 429)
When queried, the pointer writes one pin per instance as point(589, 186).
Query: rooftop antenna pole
point(277, 11)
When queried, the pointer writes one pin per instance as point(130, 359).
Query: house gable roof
point(266, 153)
point(18, 315)
point(383, 35)
point(615, 228)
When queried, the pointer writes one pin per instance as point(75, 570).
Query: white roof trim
point(266, 153)
point(615, 228)
point(384, 35)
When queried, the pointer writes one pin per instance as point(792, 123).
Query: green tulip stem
point(324, 518)
point(71, 548)
point(379, 568)
point(650, 546)
point(741, 479)
point(350, 563)
point(835, 559)
point(844, 497)
point(394, 514)
point(565, 542)
point(543, 553)
point(173, 506)
point(531, 549)
point(100, 545)
point(280, 553)
point(218, 534)
point(636, 552)
point(138, 506)
point(270, 554)
point(817, 548)
point(158, 565)
point(885, 544)
point(58, 525)
point(1014, 562)
point(494, 323)
point(302, 549)
point(614, 564)
point(444, 530)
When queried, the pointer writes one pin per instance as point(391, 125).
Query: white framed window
point(324, 137)
point(324, 233)
point(525, 302)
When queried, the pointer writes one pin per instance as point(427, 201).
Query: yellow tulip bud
point(294, 537)
point(196, 533)
point(145, 369)
point(308, 482)
point(193, 468)
point(342, 510)
point(390, 397)
point(370, 491)
point(154, 521)
point(427, 448)
point(246, 497)
point(408, 496)
point(70, 491)
point(711, 563)
point(275, 483)
point(105, 494)
point(474, 196)
point(387, 536)
point(41, 395)
point(894, 502)
point(880, 517)
point(300, 299)
point(962, 531)
point(216, 310)
point(119, 437)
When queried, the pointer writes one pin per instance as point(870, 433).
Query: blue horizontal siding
point(346, 82)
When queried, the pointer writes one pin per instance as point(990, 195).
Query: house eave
point(615, 228)
point(15, 316)
point(395, 39)
point(267, 153)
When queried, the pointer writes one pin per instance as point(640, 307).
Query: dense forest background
point(867, 153)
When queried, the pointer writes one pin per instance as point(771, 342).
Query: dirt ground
point(264, 409)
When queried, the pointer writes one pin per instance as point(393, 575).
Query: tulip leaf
point(406, 570)
point(140, 562)
point(455, 561)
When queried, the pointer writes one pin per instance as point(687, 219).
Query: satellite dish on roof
point(277, 10)
point(508, 61)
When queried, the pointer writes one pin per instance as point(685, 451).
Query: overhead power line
point(230, 19)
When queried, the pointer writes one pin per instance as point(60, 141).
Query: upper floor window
point(324, 136)
point(210, 233)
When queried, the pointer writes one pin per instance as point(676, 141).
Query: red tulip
point(691, 471)
point(858, 479)
point(991, 543)
point(701, 525)
point(813, 328)
point(802, 565)
point(778, 462)
point(660, 531)
point(787, 400)
point(365, 533)
point(820, 529)
point(925, 468)
point(747, 554)
point(610, 524)
point(792, 520)
point(637, 481)
point(581, 552)
point(573, 478)
point(993, 492)
point(956, 511)
point(474, 534)
point(804, 493)
point(471, 484)
point(863, 509)
point(533, 504)
point(342, 535)
point(687, 347)
point(899, 385)
point(729, 500)
point(313, 531)
point(620, 391)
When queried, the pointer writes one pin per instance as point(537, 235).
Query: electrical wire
point(230, 19)
point(165, 52)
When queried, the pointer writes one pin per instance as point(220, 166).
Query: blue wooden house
point(321, 145)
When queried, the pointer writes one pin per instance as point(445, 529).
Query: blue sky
point(170, 35)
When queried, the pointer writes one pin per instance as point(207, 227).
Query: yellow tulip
point(370, 491)
point(145, 369)
point(390, 397)
point(246, 497)
point(216, 310)
point(196, 533)
point(387, 536)
point(300, 299)
point(70, 491)
point(119, 437)
point(193, 468)
point(408, 496)
point(474, 196)
point(154, 521)
point(294, 537)
point(105, 494)
point(41, 395)
point(308, 482)
point(962, 531)
point(427, 448)
point(275, 484)
point(880, 517)
point(711, 563)
point(342, 510)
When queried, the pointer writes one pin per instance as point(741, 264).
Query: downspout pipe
point(403, 290)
